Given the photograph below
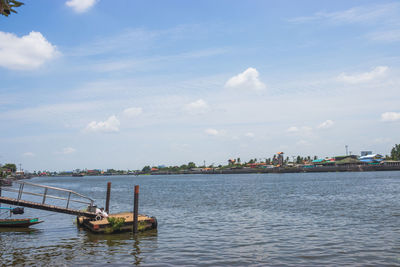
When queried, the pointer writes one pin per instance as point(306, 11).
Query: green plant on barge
point(142, 226)
point(115, 224)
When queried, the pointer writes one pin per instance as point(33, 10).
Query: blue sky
point(122, 84)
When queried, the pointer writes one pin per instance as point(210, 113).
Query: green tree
point(191, 165)
point(395, 152)
point(6, 6)
point(183, 167)
point(146, 169)
point(10, 166)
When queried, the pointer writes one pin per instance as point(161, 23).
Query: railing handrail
point(55, 188)
point(47, 196)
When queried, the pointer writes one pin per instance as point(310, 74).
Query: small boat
point(19, 222)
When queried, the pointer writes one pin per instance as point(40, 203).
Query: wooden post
point(108, 197)
point(44, 196)
point(136, 210)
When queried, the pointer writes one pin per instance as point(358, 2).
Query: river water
point(306, 219)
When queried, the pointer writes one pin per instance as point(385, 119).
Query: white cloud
point(132, 112)
point(382, 140)
point(213, 132)
point(247, 80)
point(360, 14)
point(250, 135)
point(66, 151)
point(326, 124)
point(390, 116)
point(28, 154)
point(25, 53)
point(108, 126)
point(198, 106)
point(304, 131)
point(363, 77)
point(80, 6)
point(293, 129)
point(303, 143)
point(385, 36)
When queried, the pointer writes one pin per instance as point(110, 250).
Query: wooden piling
point(136, 209)
point(108, 197)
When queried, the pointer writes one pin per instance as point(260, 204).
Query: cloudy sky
point(122, 84)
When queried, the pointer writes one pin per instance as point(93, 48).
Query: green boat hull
point(18, 222)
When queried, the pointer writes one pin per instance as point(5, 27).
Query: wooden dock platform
point(103, 226)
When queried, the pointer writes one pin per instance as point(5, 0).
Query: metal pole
point(44, 196)
point(136, 210)
point(108, 197)
point(69, 196)
point(21, 188)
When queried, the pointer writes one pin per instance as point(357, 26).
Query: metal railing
point(45, 195)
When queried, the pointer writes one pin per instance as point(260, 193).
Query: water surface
point(327, 219)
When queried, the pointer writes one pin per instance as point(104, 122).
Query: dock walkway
point(35, 205)
point(26, 188)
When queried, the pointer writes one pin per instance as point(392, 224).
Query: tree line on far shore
point(394, 155)
point(11, 168)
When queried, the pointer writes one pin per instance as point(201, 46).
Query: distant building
point(93, 172)
point(280, 158)
point(372, 158)
point(366, 153)
point(337, 158)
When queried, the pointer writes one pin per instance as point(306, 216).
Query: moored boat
point(11, 223)
point(19, 222)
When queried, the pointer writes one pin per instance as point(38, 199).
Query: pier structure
point(30, 189)
point(88, 218)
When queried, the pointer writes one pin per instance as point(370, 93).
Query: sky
point(122, 84)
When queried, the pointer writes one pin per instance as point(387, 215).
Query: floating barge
point(103, 226)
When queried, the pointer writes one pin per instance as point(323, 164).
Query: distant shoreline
point(275, 170)
point(357, 168)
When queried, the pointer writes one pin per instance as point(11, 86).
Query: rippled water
point(232, 220)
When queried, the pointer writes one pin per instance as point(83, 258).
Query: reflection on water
point(86, 248)
point(325, 219)
point(16, 231)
